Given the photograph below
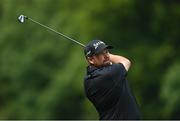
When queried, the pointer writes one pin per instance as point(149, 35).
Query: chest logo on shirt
point(97, 44)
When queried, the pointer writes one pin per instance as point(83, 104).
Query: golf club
point(22, 19)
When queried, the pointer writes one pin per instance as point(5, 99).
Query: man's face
point(100, 59)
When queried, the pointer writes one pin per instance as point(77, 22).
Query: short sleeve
point(118, 70)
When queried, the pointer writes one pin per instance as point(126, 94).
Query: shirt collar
point(91, 68)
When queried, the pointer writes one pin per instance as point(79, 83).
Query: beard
point(107, 62)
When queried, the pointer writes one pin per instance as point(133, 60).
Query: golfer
point(106, 85)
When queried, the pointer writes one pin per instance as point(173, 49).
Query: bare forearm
point(120, 59)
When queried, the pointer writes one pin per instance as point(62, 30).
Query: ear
point(91, 60)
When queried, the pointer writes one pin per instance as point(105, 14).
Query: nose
point(106, 55)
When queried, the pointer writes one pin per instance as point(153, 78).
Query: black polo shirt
point(108, 90)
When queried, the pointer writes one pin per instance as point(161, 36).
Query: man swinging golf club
point(106, 85)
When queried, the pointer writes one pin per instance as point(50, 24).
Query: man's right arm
point(120, 59)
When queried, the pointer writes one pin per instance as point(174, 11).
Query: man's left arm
point(120, 59)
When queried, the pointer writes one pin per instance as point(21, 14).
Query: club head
point(22, 18)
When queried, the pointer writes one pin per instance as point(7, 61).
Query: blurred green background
point(41, 74)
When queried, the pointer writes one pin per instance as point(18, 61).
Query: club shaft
point(56, 32)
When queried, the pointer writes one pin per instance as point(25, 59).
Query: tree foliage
point(41, 74)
